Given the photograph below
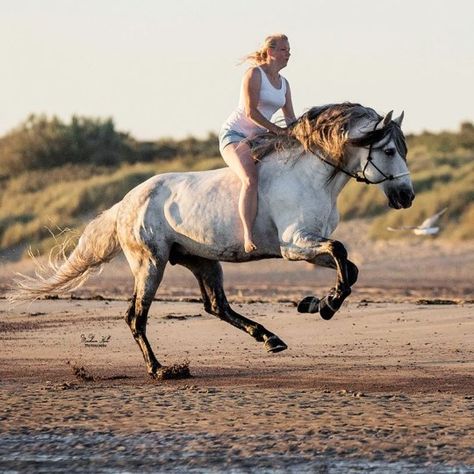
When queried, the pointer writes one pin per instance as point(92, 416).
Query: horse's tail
point(97, 245)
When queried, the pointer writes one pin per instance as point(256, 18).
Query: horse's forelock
point(400, 142)
point(392, 131)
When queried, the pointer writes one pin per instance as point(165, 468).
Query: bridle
point(360, 176)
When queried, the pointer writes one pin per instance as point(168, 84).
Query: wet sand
point(386, 386)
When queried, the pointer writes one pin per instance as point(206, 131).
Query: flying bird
point(427, 227)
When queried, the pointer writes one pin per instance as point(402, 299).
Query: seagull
point(427, 227)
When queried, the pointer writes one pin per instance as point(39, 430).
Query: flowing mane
point(324, 131)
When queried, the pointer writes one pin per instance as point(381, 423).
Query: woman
point(263, 92)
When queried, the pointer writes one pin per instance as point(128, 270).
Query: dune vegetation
point(56, 176)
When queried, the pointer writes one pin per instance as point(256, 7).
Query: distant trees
point(169, 148)
point(41, 143)
point(446, 142)
point(466, 135)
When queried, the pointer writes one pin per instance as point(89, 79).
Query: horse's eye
point(389, 151)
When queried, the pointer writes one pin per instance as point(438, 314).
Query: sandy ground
point(386, 386)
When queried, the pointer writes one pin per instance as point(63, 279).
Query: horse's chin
point(396, 204)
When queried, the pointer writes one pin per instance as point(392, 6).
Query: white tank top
point(270, 100)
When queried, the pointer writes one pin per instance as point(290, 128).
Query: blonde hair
point(260, 56)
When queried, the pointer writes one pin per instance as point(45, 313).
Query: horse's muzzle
point(400, 198)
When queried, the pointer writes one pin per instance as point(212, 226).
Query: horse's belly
point(216, 231)
point(202, 227)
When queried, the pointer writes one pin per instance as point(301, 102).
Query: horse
point(191, 218)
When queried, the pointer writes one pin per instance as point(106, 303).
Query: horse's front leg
point(328, 305)
point(326, 252)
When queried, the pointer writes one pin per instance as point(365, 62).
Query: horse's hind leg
point(148, 273)
point(210, 278)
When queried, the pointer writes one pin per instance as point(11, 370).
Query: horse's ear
point(386, 120)
point(399, 120)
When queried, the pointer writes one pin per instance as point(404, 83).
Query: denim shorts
point(228, 136)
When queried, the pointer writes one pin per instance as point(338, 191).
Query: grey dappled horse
point(192, 219)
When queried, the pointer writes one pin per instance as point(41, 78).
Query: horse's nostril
point(407, 195)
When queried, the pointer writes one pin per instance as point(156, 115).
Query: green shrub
point(41, 143)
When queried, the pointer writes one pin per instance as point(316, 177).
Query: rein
point(360, 176)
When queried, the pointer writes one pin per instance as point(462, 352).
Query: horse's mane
point(324, 130)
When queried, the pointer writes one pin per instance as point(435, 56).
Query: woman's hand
point(280, 131)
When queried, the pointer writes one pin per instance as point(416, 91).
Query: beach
point(386, 386)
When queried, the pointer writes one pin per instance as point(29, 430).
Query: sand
point(386, 386)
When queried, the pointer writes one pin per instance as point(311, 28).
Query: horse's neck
point(306, 168)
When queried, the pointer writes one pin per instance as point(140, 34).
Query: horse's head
point(379, 152)
point(354, 140)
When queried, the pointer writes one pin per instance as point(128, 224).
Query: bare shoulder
point(253, 71)
point(252, 75)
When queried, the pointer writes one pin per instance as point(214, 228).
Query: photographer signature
point(90, 340)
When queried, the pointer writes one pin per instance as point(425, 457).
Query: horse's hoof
point(309, 304)
point(275, 344)
point(325, 310)
point(153, 370)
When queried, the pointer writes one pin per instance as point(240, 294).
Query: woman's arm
point(252, 84)
point(287, 109)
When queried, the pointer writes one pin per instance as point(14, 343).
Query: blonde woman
point(263, 92)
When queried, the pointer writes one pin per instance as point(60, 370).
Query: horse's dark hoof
point(325, 310)
point(153, 370)
point(309, 304)
point(275, 344)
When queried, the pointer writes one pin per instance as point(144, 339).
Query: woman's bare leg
point(239, 159)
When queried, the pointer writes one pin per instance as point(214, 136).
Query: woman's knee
point(239, 159)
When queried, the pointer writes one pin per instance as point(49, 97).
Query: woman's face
point(281, 52)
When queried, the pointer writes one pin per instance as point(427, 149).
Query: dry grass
point(39, 204)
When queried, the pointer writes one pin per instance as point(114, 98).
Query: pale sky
point(169, 68)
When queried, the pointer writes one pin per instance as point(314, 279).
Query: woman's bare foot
point(249, 246)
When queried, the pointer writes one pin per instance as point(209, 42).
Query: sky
point(170, 68)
